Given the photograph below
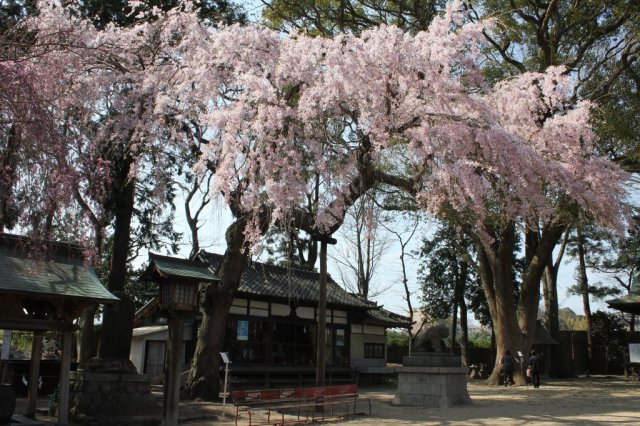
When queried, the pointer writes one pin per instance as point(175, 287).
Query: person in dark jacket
point(508, 367)
point(534, 368)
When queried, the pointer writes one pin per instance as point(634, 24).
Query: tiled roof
point(631, 302)
point(387, 318)
point(57, 272)
point(261, 279)
point(175, 267)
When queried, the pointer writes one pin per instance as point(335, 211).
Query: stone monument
point(432, 379)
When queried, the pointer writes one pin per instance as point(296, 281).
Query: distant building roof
point(631, 302)
point(261, 279)
point(58, 272)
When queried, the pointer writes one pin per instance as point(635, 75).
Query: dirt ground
point(596, 401)
point(580, 401)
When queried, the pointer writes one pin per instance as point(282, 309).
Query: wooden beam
point(65, 366)
point(29, 324)
point(328, 239)
point(322, 316)
point(172, 376)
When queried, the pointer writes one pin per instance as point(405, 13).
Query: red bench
point(312, 400)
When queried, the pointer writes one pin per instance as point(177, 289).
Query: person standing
point(533, 369)
point(508, 367)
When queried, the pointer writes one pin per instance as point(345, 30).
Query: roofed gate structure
point(45, 286)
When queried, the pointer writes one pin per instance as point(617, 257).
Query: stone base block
point(422, 383)
point(100, 398)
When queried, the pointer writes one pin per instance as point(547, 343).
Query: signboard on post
point(227, 361)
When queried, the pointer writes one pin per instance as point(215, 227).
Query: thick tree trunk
point(462, 306)
point(464, 334)
point(87, 339)
point(454, 327)
point(514, 328)
point(215, 301)
point(550, 295)
point(117, 325)
point(584, 290)
point(8, 176)
point(497, 281)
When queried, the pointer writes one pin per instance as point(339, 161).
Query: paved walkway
point(581, 401)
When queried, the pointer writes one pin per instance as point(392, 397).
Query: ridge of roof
point(23, 245)
point(269, 265)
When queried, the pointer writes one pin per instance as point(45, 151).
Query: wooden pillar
point(322, 316)
point(4, 357)
point(34, 374)
point(322, 308)
point(65, 367)
point(172, 399)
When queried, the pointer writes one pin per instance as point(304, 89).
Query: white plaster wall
point(139, 343)
point(137, 353)
point(357, 350)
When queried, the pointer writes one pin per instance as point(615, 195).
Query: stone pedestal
point(432, 379)
point(112, 398)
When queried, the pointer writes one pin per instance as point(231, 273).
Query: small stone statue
point(430, 339)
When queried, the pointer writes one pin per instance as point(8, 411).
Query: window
point(246, 340)
point(292, 343)
point(374, 350)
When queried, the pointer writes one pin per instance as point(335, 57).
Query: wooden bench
point(330, 397)
point(270, 400)
point(313, 401)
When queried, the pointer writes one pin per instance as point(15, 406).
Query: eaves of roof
point(166, 266)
